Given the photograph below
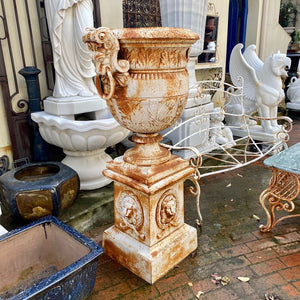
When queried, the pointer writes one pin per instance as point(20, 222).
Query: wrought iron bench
point(221, 157)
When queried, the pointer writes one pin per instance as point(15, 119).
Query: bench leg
point(283, 188)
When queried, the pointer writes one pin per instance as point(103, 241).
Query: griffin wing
point(242, 74)
point(253, 60)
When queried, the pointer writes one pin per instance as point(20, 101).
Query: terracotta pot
point(145, 83)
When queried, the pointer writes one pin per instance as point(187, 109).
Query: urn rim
point(156, 33)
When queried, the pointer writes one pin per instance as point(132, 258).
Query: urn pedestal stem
point(147, 150)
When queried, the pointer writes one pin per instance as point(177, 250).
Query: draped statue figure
point(74, 68)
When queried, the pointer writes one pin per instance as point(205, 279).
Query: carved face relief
point(279, 64)
point(167, 210)
point(130, 210)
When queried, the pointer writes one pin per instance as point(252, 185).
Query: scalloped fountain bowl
point(84, 143)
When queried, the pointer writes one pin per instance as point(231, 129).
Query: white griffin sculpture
point(262, 84)
point(293, 91)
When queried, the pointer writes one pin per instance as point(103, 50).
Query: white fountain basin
point(84, 143)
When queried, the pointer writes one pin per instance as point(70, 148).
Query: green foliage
point(288, 14)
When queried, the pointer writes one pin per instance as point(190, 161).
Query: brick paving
point(229, 243)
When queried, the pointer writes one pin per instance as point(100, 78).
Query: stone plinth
point(293, 105)
point(149, 236)
point(70, 106)
point(150, 263)
point(256, 132)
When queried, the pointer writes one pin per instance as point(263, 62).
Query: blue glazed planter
point(36, 190)
point(47, 259)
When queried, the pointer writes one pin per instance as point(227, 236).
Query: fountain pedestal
point(149, 236)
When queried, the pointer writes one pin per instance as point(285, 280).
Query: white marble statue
point(293, 91)
point(262, 83)
point(75, 118)
point(74, 69)
point(219, 133)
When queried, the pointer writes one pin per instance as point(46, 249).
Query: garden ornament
point(74, 68)
point(293, 91)
point(262, 82)
point(146, 84)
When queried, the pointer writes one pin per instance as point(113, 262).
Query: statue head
point(280, 63)
point(217, 116)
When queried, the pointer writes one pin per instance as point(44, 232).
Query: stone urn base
point(150, 262)
point(149, 247)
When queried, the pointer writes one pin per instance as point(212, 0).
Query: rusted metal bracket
point(195, 162)
point(283, 188)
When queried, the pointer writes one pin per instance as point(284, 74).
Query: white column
point(111, 13)
point(5, 144)
point(273, 37)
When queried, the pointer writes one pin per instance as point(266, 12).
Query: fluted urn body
point(144, 80)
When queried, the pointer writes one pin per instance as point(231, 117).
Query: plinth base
point(293, 105)
point(150, 262)
point(256, 132)
point(65, 106)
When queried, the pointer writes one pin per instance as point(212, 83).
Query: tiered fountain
point(75, 117)
point(146, 85)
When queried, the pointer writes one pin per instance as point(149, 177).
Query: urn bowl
point(147, 90)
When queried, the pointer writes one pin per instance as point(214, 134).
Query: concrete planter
point(47, 259)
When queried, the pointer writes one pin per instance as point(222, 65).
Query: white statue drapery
point(74, 69)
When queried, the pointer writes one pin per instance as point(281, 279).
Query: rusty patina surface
point(145, 80)
point(284, 186)
point(145, 84)
point(150, 79)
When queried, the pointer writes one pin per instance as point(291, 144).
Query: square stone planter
point(47, 259)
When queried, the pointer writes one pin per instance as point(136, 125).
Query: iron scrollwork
point(195, 162)
point(284, 187)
